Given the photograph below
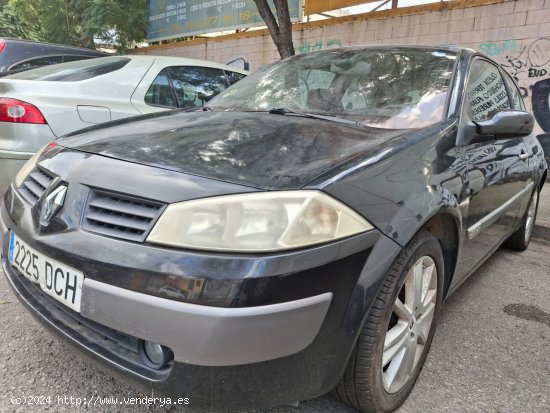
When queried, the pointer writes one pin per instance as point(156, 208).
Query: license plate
point(56, 279)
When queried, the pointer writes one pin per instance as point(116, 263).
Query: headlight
point(268, 221)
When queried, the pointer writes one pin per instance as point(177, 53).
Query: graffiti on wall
point(532, 61)
point(530, 67)
point(497, 48)
point(307, 46)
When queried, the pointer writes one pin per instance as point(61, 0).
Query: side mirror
point(508, 123)
point(240, 62)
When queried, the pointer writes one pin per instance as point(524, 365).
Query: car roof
point(184, 61)
point(459, 51)
point(53, 45)
point(448, 47)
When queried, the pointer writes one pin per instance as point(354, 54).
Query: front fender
point(415, 179)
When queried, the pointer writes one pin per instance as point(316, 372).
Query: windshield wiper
point(284, 111)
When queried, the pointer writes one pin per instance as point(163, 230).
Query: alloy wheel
point(409, 324)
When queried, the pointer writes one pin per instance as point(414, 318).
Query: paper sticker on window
point(486, 92)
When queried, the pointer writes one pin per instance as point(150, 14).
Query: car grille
point(120, 216)
point(35, 185)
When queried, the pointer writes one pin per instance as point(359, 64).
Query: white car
point(40, 105)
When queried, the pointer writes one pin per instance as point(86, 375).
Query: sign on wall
point(168, 19)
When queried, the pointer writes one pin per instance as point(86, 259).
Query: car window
point(314, 81)
point(185, 86)
point(75, 57)
point(405, 88)
point(160, 92)
point(38, 62)
point(515, 96)
point(74, 71)
point(195, 85)
point(485, 92)
point(234, 77)
point(317, 79)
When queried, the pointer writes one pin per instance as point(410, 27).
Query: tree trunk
point(280, 28)
point(286, 47)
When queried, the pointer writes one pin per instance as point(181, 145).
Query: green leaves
point(82, 23)
point(12, 25)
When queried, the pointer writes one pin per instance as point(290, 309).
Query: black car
point(298, 235)
point(17, 55)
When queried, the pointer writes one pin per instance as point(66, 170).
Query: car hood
point(262, 150)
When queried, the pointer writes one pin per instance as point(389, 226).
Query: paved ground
point(491, 352)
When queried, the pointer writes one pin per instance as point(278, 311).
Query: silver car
point(40, 105)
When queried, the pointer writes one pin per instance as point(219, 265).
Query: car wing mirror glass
point(508, 123)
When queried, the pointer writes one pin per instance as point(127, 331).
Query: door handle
point(523, 156)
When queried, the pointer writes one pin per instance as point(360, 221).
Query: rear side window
point(185, 86)
point(75, 71)
point(486, 93)
point(160, 92)
point(41, 61)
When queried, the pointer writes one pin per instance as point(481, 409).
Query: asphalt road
point(491, 352)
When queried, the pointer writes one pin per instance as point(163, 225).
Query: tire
point(362, 384)
point(520, 239)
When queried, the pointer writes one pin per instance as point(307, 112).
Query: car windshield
point(74, 71)
point(385, 88)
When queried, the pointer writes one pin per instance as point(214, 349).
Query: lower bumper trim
point(204, 335)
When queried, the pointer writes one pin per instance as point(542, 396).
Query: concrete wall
point(516, 34)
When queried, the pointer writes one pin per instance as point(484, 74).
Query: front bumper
point(276, 349)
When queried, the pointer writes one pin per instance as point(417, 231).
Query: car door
point(531, 142)
point(497, 170)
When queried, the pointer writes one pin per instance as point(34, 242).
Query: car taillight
point(17, 111)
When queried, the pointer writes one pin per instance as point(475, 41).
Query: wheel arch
point(444, 224)
point(443, 219)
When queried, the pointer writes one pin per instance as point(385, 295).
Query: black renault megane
point(297, 235)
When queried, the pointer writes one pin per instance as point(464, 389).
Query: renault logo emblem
point(52, 204)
